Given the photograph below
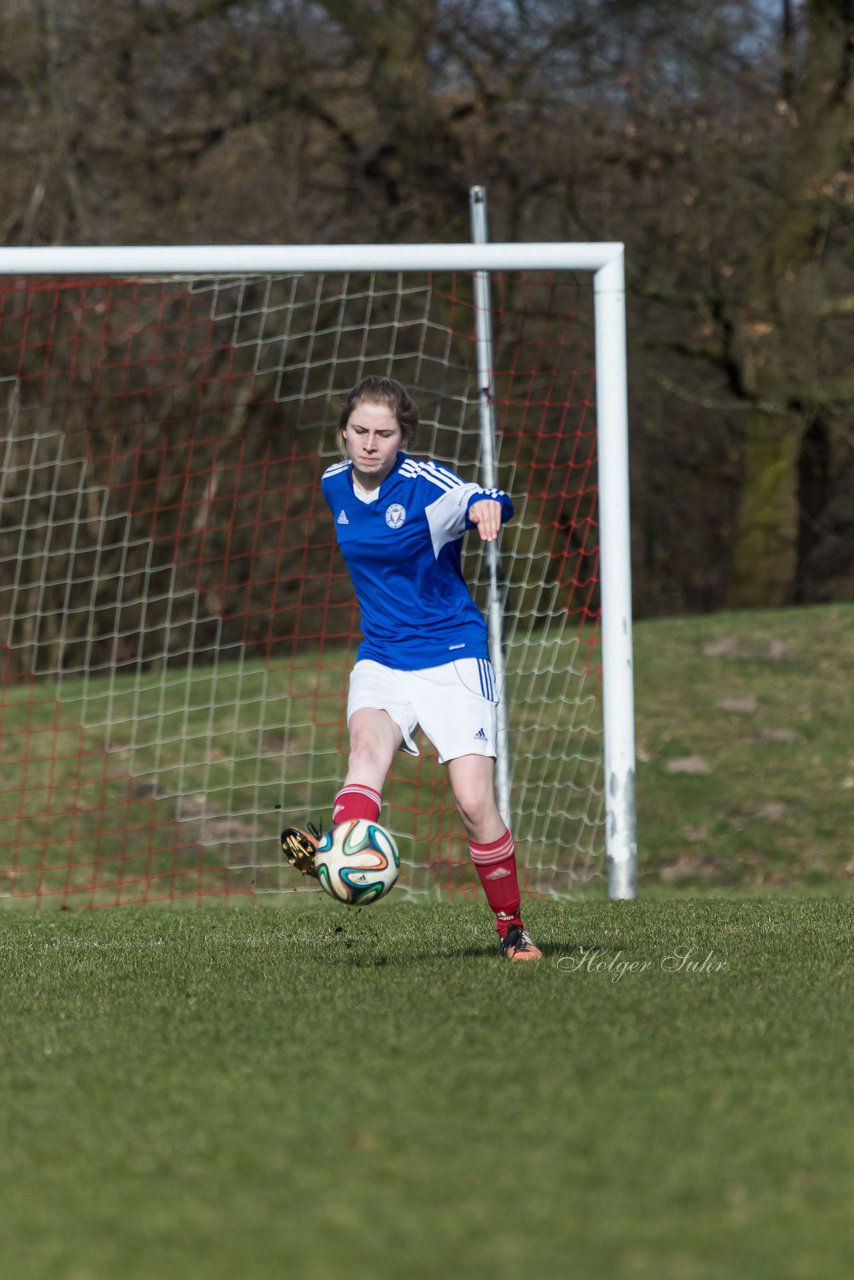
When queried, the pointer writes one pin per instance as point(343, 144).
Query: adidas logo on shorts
point(480, 736)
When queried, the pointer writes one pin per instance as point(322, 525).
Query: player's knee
point(370, 749)
point(363, 752)
point(476, 809)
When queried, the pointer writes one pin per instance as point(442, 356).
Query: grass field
point(322, 1093)
point(313, 1092)
point(745, 748)
point(745, 767)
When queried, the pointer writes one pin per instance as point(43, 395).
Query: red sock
point(496, 866)
point(356, 801)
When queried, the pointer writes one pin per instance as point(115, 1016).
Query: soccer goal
point(177, 624)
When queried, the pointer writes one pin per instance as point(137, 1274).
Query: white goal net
point(176, 625)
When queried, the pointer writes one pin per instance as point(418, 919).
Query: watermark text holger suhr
point(597, 960)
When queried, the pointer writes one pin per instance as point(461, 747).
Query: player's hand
point(486, 514)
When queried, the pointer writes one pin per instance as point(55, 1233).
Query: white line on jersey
point(438, 476)
point(336, 468)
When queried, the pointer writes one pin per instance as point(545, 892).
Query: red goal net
point(176, 625)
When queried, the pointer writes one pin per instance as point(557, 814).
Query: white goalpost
point(175, 627)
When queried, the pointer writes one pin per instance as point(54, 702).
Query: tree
point(733, 182)
point(783, 358)
point(714, 139)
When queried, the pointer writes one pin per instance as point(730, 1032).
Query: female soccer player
point(424, 660)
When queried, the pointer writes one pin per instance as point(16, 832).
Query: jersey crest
point(395, 515)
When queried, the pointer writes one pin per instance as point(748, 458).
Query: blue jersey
point(403, 554)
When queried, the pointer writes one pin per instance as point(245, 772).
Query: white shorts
point(454, 705)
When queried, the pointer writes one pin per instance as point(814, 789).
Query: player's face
point(372, 438)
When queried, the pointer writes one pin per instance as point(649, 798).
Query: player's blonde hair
point(384, 391)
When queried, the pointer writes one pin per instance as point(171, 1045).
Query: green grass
point(322, 1093)
point(325, 1093)
point(164, 760)
point(745, 766)
point(176, 779)
point(762, 702)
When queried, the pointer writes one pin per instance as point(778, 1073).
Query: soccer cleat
point(299, 848)
point(517, 945)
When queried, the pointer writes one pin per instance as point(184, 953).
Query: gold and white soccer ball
point(357, 862)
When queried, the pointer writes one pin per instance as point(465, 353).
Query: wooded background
point(715, 140)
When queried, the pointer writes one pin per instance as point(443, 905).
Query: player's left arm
point(487, 511)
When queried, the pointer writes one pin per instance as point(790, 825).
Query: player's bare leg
point(374, 739)
point(472, 781)
point(493, 851)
